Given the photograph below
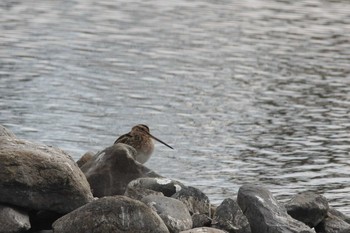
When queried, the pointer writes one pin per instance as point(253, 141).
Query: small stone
point(167, 186)
point(195, 200)
point(229, 217)
point(201, 220)
point(110, 171)
point(117, 214)
point(309, 208)
point(265, 214)
point(173, 212)
point(13, 219)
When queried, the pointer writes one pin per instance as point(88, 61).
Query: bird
point(140, 138)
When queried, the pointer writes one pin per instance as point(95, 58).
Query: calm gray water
point(246, 91)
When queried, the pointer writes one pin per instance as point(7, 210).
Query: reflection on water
point(251, 92)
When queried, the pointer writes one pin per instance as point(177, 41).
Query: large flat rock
point(40, 177)
point(117, 214)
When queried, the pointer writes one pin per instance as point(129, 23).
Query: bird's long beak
point(159, 140)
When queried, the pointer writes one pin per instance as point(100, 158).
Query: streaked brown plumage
point(140, 138)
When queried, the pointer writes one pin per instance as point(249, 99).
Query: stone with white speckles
point(229, 217)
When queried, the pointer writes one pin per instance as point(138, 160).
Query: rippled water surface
point(247, 92)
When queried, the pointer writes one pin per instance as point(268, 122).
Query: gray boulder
point(203, 230)
point(173, 212)
point(167, 186)
point(309, 208)
point(117, 214)
point(110, 171)
point(40, 177)
point(13, 220)
point(265, 214)
point(229, 217)
point(195, 200)
point(333, 224)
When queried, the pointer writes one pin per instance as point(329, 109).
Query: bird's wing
point(123, 139)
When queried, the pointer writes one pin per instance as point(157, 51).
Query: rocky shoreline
point(43, 190)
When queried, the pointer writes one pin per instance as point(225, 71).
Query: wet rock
point(167, 186)
point(85, 158)
point(229, 217)
point(110, 171)
point(265, 214)
point(308, 207)
point(40, 177)
point(195, 200)
point(13, 219)
point(333, 224)
point(138, 193)
point(200, 220)
point(115, 214)
point(203, 230)
point(173, 212)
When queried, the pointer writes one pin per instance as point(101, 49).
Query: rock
point(265, 214)
point(200, 220)
point(333, 224)
point(339, 215)
point(229, 217)
point(167, 186)
point(173, 212)
point(13, 219)
point(40, 177)
point(203, 230)
point(110, 171)
point(85, 158)
point(195, 200)
point(138, 193)
point(308, 207)
point(117, 214)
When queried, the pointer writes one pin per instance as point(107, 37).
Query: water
point(247, 92)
